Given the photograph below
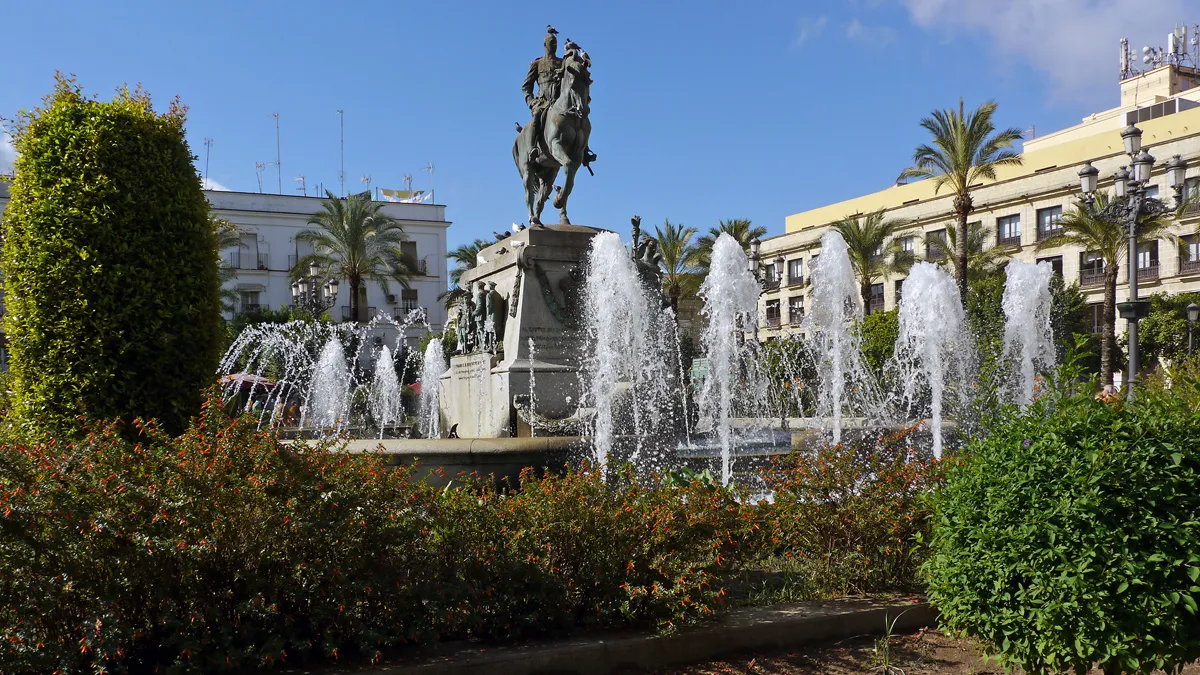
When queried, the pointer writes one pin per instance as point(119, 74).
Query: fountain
point(730, 295)
point(433, 367)
point(931, 350)
point(330, 390)
point(384, 396)
point(1027, 335)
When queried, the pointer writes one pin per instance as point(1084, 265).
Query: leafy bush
point(110, 265)
point(1068, 537)
point(1163, 333)
point(852, 512)
point(224, 548)
point(879, 332)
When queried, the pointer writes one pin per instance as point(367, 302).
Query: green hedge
point(110, 263)
point(1069, 536)
point(223, 548)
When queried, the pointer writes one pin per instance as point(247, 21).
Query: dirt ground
point(923, 652)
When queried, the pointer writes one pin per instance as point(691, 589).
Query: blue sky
point(701, 110)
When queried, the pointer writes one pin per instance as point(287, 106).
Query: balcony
point(262, 261)
point(247, 307)
point(1043, 235)
point(404, 311)
point(905, 257)
point(795, 317)
point(346, 313)
point(797, 280)
point(933, 254)
point(235, 260)
point(1189, 266)
point(1010, 242)
point(771, 284)
point(1148, 272)
point(772, 321)
point(421, 267)
point(1091, 277)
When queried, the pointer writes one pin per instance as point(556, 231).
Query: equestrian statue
point(557, 136)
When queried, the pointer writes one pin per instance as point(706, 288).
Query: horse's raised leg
point(560, 200)
point(545, 182)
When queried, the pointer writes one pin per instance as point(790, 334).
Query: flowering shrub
point(852, 513)
point(224, 548)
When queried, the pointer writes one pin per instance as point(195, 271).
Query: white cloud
point(876, 36)
point(210, 184)
point(808, 29)
point(1074, 42)
point(8, 153)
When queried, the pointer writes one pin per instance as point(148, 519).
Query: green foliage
point(243, 320)
point(740, 229)
point(1163, 333)
point(1068, 535)
point(224, 549)
point(851, 513)
point(790, 368)
point(449, 343)
point(878, 333)
point(110, 260)
point(872, 247)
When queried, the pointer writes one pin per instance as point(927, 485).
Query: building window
point(1191, 191)
point(1091, 269)
point(1008, 230)
point(1189, 254)
point(409, 249)
point(899, 291)
point(248, 301)
point(1152, 191)
point(1055, 263)
point(773, 314)
point(408, 300)
point(1098, 317)
point(796, 310)
point(932, 250)
point(876, 303)
point(1049, 222)
point(795, 271)
point(1148, 260)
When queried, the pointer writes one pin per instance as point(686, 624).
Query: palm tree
point(739, 228)
point(1090, 230)
point(228, 236)
point(464, 258)
point(355, 241)
point(874, 252)
point(980, 261)
point(966, 149)
point(679, 259)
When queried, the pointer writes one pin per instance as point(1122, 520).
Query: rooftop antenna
point(366, 181)
point(342, 125)
point(432, 193)
point(207, 152)
point(303, 184)
point(407, 180)
point(258, 169)
point(278, 164)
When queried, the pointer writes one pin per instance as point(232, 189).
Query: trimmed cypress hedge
point(110, 264)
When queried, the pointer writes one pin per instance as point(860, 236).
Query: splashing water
point(432, 368)
point(931, 347)
point(835, 312)
point(532, 389)
point(1027, 333)
point(330, 387)
point(384, 395)
point(730, 295)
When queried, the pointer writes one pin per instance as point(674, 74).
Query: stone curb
point(754, 628)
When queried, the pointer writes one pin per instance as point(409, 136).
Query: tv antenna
point(342, 126)
point(207, 152)
point(278, 164)
point(258, 170)
point(303, 184)
point(432, 195)
point(407, 180)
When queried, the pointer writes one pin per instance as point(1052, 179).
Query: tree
point(739, 228)
point(679, 258)
point(228, 236)
point(110, 262)
point(966, 148)
point(981, 262)
point(464, 258)
point(1087, 228)
point(873, 250)
point(357, 242)
point(1163, 333)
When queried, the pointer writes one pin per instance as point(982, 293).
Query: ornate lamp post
point(1130, 206)
point(312, 293)
point(1193, 313)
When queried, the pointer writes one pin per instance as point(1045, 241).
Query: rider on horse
point(546, 72)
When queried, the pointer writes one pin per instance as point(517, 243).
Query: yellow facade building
point(1022, 206)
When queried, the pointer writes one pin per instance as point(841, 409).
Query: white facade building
point(269, 224)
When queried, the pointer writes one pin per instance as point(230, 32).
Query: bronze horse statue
point(563, 142)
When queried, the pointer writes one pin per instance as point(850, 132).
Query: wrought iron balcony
point(773, 321)
point(796, 318)
point(1189, 266)
point(1091, 277)
point(1148, 272)
point(795, 280)
point(247, 307)
point(1044, 234)
point(1014, 241)
point(262, 261)
point(875, 306)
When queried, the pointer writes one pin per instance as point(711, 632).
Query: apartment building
point(1022, 207)
point(269, 250)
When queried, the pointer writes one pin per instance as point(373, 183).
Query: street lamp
point(1130, 206)
point(313, 293)
point(1193, 313)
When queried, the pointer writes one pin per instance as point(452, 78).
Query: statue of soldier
point(546, 72)
point(480, 315)
point(461, 326)
point(497, 316)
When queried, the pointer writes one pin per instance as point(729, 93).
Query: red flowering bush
point(224, 548)
point(852, 514)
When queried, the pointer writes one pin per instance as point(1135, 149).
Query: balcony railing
point(1091, 277)
point(773, 321)
point(247, 307)
point(1014, 241)
point(934, 253)
point(875, 306)
point(263, 261)
point(1044, 234)
point(1148, 272)
point(771, 284)
point(346, 312)
point(402, 313)
point(796, 317)
point(795, 280)
point(421, 267)
point(235, 259)
point(1189, 266)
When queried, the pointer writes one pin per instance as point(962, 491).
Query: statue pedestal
point(539, 273)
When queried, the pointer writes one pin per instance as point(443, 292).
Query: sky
point(701, 110)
